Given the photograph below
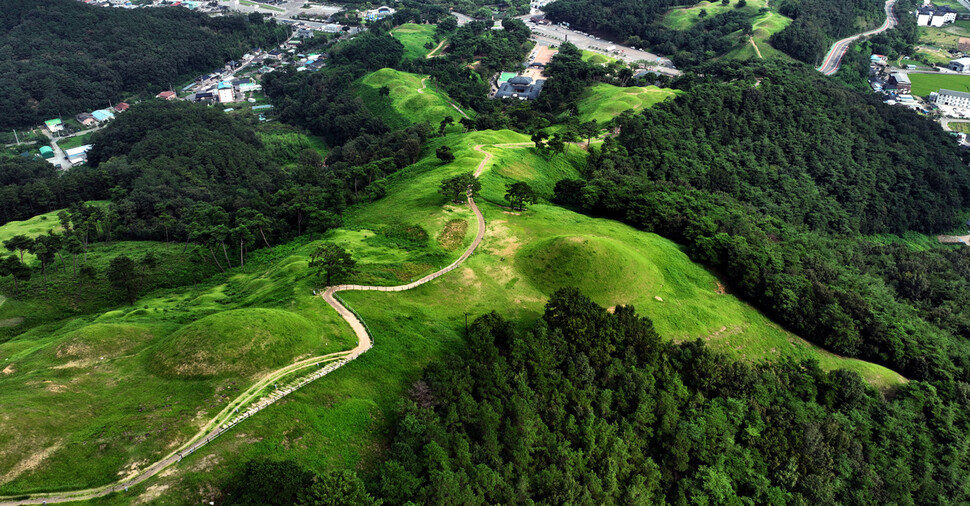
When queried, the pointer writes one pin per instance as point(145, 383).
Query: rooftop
point(901, 78)
point(951, 93)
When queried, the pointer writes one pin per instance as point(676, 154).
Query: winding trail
point(833, 59)
point(254, 399)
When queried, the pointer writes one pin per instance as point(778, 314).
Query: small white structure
point(930, 15)
point(952, 98)
point(960, 65)
point(78, 155)
point(378, 13)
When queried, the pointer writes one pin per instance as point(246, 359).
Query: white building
point(930, 15)
point(953, 98)
point(960, 65)
point(226, 93)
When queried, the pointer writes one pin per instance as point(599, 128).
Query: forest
point(817, 23)
point(62, 57)
point(786, 208)
point(593, 407)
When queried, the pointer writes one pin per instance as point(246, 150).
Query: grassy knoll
point(89, 398)
point(414, 37)
point(923, 84)
point(603, 102)
point(682, 19)
point(597, 58)
point(40, 224)
point(412, 99)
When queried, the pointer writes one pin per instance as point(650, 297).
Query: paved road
point(834, 57)
point(230, 417)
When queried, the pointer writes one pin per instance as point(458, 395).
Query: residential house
point(86, 119)
point(205, 96)
point(167, 95)
point(54, 125)
point(102, 115)
point(900, 82)
point(121, 107)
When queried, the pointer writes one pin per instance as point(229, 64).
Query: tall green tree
point(333, 262)
point(460, 187)
point(123, 276)
point(520, 193)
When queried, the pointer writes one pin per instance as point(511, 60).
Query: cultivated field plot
point(923, 84)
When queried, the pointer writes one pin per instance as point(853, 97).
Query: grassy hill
point(603, 102)
point(174, 358)
point(764, 24)
point(87, 398)
point(414, 37)
point(412, 99)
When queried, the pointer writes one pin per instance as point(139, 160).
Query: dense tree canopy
point(62, 57)
point(771, 179)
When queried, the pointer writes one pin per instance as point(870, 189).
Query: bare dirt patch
point(720, 290)
point(33, 461)
point(151, 493)
point(453, 234)
point(9, 369)
point(11, 322)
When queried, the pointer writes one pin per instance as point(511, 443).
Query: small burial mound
point(607, 271)
point(237, 342)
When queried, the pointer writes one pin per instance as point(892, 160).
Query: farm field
point(924, 84)
point(411, 99)
point(603, 102)
point(414, 37)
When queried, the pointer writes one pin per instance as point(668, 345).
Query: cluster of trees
point(79, 227)
point(29, 187)
point(639, 23)
point(62, 57)
point(736, 171)
point(818, 23)
point(593, 407)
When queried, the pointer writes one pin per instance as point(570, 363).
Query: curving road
point(253, 399)
point(834, 57)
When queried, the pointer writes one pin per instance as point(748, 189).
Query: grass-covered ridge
point(411, 99)
point(414, 37)
point(603, 102)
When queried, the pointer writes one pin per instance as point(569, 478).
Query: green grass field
point(72, 419)
point(89, 398)
point(682, 19)
point(412, 99)
point(343, 421)
point(923, 84)
point(76, 141)
point(414, 37)
point(597, 58)
point(603, 102)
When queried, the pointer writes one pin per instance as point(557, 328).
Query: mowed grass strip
point(603, 102)
point(924, 84)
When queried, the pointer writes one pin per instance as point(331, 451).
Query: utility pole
point(15, 136)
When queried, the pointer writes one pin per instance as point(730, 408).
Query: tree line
point(589, 406)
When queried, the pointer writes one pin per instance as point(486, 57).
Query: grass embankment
point(603, 102)
point(414, 37)
point(924, 84)
point(87, 399)
point(411, 99)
